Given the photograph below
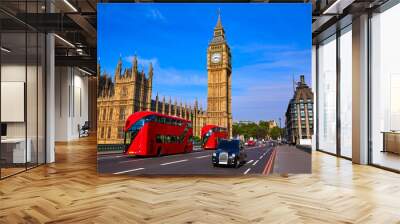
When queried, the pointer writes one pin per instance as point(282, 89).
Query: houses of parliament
point(131, 91)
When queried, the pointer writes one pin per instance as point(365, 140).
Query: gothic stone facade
point(219, 103)
point(131, 91)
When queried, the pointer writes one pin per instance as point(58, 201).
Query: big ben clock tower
point(219, 109)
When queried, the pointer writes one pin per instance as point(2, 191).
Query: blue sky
point(270, 43)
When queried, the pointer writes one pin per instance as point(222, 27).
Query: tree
point(196, 139)
point(275, 133)
point(254, 130)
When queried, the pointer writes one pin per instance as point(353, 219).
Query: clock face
point(216, 57)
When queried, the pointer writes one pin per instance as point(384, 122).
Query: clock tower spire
point(219, 109)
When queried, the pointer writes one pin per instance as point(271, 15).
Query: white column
point(50, 100)
point(314, 89)
point(360, 90)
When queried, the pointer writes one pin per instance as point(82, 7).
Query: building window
point(102, 133)
point(111, 113)
point(124, 91)
point(120, 132)
point(109, 133)
point(104, 114)
point(122, 113)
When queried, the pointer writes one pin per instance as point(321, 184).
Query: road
point(195, 163)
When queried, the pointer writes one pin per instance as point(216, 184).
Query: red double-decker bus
point(154, 134)
point(210, 135)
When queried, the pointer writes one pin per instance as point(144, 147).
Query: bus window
point(150, 118)
point(190, 138)
point(159, 119)
point(173, 139)
point(139, 124)
point(162, 120)
point(127, 139)
point(158, 139)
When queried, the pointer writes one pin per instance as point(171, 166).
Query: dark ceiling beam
point(86, 26)
point(45, 22)
point(77, 61)
point(91, 5)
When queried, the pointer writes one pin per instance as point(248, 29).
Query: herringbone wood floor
point(70, 191)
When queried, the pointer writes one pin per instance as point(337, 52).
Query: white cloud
point(256, 47)
point(170, 75)
point(155, 14)
point(261, 100)
point(143, 63)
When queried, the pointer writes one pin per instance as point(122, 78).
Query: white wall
point(71, 102)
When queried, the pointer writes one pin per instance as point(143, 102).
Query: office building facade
point(300, 115)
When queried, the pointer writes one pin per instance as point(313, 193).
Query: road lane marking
point(245, 172)
point(154, 157)
point(199, 157)
point(255, 162)
point(127, 171)
point(179, 161)
point(250, 161)
point(269, 166)
point(133, 160)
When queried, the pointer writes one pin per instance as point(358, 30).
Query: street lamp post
point(280, 129)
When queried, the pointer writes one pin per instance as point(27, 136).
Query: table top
point(13, 140)
point(391, 132)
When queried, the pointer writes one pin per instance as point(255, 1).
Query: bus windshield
point(131, 133)
point(206, 136)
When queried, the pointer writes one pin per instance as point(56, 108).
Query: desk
point(391, 142)
point(13, 150)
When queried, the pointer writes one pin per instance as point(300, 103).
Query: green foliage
point(275, 132)
point(258, 131)
point(196, 139)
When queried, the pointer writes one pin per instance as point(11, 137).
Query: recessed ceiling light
point(64, 40)
point(84, 71)
point(5, 50)
point(70, 5)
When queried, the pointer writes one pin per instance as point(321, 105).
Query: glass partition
point(22, 91)
point(346, 92)
point(385, 89)
point(13, 94)
point(327, 95)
